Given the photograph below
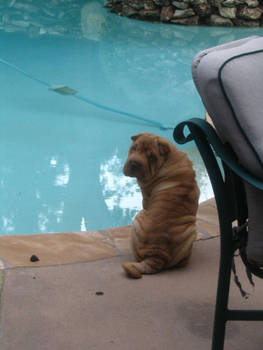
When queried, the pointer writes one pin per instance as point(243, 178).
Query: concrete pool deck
point(89, 303)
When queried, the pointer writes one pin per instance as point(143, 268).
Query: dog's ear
point(164, 149)
point(135, 137)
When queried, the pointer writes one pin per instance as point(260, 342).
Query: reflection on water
point(93, 21)
point(203, 181)
point(122, 192)
point(63, 178)
point(7, 224)
point(119, 191)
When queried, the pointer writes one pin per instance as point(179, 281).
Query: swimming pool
point(61, 158)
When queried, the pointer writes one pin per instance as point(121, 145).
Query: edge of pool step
point(75, 247)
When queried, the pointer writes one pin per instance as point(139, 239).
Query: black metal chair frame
point(227, 182)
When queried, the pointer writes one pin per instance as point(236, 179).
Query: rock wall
point(247, 13)
point(83, 18)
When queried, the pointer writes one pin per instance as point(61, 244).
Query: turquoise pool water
point(61, 158)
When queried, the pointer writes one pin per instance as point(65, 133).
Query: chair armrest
point(199, 128)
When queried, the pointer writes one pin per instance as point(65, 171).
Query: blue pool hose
point(79, 97)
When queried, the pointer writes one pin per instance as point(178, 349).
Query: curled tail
point(151, 265)
point(147, 266)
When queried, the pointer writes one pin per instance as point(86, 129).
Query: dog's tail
point(153, 265)
point(147, 266)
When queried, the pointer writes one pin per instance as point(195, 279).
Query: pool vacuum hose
point(65, 90)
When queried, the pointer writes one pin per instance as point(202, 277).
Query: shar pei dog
point(163, 232)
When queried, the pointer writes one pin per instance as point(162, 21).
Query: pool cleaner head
point(63, 90)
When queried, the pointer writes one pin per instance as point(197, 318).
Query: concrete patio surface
point(92, 304)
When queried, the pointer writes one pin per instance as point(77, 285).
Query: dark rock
point(181, 5)
point(166, 13)
point(149, 5)
point(117, 8)
point(220, 21)
point(216, 3)
point(136, 4)
point(252, 3)
point(34, 258)
point(128, 11)
point(202, 8)
point(229, 3)
point(150, 13)
point(250, 13)
point(99, 293)
point(244, 23)
point(227, 12)
point(189, 21)
point(183, 13)
point(108, 4)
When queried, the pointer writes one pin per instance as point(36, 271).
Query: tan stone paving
point(121, 238)
point(207, 220)
point(65, 248)
point(52, 249)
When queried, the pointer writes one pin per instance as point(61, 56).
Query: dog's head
point(146, 156)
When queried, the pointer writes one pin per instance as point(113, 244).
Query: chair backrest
point(229, 79)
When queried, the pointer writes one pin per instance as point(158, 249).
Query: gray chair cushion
point(229, 79)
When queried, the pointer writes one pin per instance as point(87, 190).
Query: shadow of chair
point(231, 152)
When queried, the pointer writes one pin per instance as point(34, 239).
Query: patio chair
point(229, 79)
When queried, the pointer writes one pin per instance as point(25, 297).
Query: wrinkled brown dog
point(164, 231)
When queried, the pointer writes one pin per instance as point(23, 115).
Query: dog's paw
point(131, 270)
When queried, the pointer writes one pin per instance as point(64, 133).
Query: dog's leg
point(148, 266)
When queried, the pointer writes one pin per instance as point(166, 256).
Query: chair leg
point(221, 308)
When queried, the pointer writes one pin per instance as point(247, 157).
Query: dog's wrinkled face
point(146, 156)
